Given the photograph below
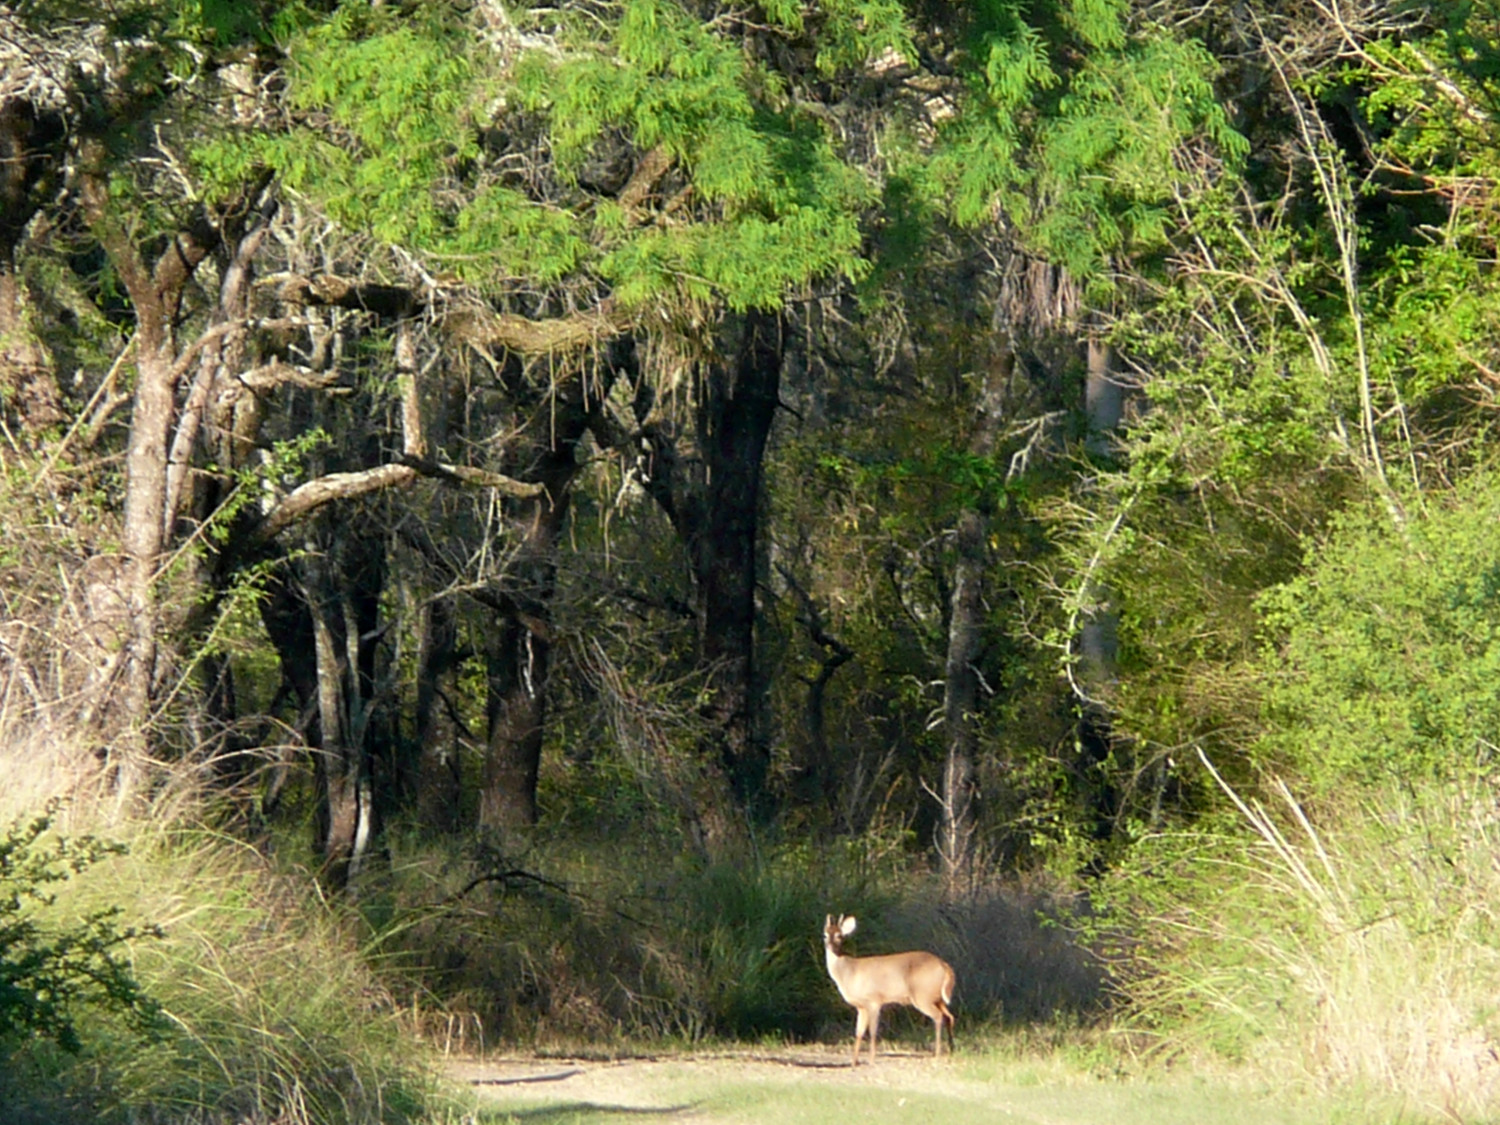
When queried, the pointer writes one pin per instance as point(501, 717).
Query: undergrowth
point(605, 942)
point(262, 1003)
point(1347, 947)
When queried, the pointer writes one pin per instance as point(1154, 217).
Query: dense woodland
point(993, 441)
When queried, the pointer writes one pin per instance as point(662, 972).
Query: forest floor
point(794, 1084)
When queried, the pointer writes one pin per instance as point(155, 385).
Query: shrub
point(262, 1005)
point(1389, 648)
point(53, 971)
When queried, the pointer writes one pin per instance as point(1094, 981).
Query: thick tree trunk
point(714, 502)
point(516, 666)
point(735, 421)
point(518, 653)
point(519, 650)
point(142, 539)
point(28, 380)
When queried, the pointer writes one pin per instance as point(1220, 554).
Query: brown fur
point(923, 980)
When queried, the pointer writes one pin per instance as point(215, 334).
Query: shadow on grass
point(576, 1112)
point(556, 1076)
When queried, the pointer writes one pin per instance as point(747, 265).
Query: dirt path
point(817, 1084)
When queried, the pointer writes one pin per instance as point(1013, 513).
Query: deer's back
point(894, 978)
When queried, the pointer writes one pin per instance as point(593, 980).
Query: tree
point(1071, 133)
point(680, 185)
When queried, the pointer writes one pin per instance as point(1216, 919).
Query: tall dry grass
point(270, 1011)
point(1355, 949)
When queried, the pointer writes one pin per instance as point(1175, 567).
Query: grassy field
point(816, 1084)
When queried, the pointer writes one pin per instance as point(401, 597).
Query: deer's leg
point(860, 1023)
point(939, 1014)
point(874, 1030)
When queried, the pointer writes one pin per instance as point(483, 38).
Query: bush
point(51, 972)
point(1390, 648)
point(263, 1006)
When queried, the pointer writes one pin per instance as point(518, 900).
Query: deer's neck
point(838, 965)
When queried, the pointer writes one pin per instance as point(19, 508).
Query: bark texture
point(709, 484)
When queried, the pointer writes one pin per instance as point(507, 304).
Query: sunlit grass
point(268, 1008)
point(1350, 949)
point(909, 1089)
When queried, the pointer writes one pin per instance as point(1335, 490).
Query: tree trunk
point(1098, 638)
point(735, 422)
point(519, 648)
point(516, 667)
point(342, 591)
point(438, 777)
point(1104, 401)
point(519, 651)
point(338, 766)
point(961, 681)
point(1104, 396)
point(28, 380)
point(713, 501)
point(961, 698)
point(122, 711)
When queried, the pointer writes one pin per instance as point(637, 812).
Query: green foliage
point(1422, 92)
point(850, 32)
point(784, 208)
point(752, 933)
point(1386, 650)
point(1074, 128)
point(409, 110)
point(952, 477)
point(172, 23)
point(400, 96)
point(55, 973)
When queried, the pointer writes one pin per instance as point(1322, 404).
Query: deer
point(923, 980)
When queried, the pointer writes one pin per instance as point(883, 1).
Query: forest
point(513, 513)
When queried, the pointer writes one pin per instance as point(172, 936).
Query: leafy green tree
point(1077, 132)
point(657, 174)
point(1302, 352)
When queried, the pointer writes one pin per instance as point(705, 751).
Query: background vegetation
point(514, 512)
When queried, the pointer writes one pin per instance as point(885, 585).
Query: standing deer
point(923, 980)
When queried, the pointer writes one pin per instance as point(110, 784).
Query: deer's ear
point(846, 927)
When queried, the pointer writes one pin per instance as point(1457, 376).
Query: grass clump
point(263, 1007)
point(1358, 949)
